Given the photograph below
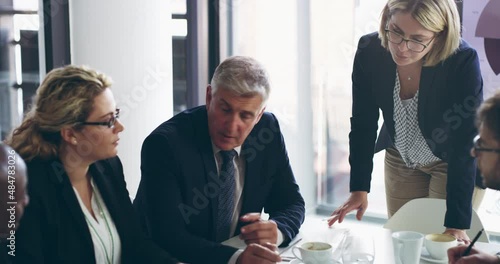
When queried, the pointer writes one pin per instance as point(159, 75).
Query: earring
point(74, 141)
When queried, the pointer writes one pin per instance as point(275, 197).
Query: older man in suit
point(208, 172)
point(487, 151)
point(13, 198)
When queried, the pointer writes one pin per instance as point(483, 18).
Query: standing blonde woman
point(427, 82)
point(79, 210)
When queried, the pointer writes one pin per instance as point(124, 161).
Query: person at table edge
point(487, 151)
point(427, 82)
point(178, 196)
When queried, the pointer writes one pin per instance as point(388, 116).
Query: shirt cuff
point(280, 238)
point(235, 256)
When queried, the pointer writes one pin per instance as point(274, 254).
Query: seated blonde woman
point(79, 210)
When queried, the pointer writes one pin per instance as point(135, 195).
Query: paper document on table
point(236, 242)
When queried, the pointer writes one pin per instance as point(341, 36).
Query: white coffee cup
point(407, 246)
point(438, 244)
point(314, 252)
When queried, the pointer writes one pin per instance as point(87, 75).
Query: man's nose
point(233, 123)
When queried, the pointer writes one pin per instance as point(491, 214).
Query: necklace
point(109, 257)
point(109, 231)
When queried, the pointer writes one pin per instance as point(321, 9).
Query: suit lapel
point(103, 176)
point(60, 178)
point(426, 80)
point(205, 149)
point(386, 77)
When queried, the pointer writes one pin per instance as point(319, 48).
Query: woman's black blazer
point(449, 94)
point(53, 228)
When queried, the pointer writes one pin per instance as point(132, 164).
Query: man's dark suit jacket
point(449, 94)
point(177, 196)
point(53, 228)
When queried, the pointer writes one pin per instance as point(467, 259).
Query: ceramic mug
point(314, 252)
point(407, 246)
point(438, 244)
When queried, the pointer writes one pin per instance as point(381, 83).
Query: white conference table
point(315, 229)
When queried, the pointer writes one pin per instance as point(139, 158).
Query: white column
point(305, 160)
point(131, 42)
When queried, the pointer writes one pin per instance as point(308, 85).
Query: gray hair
point(243, 76)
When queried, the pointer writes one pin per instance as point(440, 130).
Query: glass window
point(271, 32)
point(179, 34)
point(19, 61)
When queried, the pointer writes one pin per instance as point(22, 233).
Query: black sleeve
point(364, 121)
point(468, 91)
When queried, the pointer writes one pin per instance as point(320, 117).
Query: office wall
point(131, 42)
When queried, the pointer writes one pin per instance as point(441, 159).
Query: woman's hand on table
point(357, 201)
point(459, 234)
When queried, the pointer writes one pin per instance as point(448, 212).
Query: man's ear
point(68, 135)
point(208, 95)
point(260, 114)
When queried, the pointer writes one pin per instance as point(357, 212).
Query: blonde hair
point(438, 16)
point(64, 98)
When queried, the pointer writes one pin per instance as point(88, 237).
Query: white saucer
point(427, 257)
point(297, 261)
